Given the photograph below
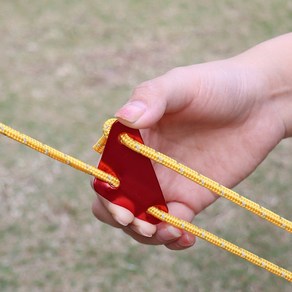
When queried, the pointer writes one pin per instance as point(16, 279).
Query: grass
point(66, 66)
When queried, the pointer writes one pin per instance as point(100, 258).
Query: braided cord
point(222, 243)
point(58, 155)
point(195, 177)
point(181, 169)
point(207, 183)
point(212, 186)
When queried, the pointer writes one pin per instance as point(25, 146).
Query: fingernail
point(141, 231)
point(169, 233)
point(121, 220)
point(131, 111)
point(187, 240)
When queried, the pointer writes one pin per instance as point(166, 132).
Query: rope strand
point(195, 177)
point(179, 168)
point(58, 155)
point(222, 243)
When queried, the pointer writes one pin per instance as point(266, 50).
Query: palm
point(226, 150)
point(220, 118)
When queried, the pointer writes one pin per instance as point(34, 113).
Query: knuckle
point(147, 89)
point(175, 73)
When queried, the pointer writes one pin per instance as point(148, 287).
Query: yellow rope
point(224, 244)
point(207, 183)
point(212, 186)
point(57, 155)
point(196, 177)
point(181, 169)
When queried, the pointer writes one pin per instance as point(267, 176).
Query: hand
point(218, 118)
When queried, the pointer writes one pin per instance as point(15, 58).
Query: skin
point(220, 118)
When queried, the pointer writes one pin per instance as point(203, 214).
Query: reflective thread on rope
point(222, 243)
point(58, 155)
point(195, 177)
point(181, 169)
point(207, 183)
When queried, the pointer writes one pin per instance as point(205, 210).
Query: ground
point(65, 67)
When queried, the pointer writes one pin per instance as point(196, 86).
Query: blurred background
point(67, 66)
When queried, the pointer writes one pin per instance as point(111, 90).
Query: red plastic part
point(139, 188)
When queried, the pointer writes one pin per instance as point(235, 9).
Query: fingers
point(102, 214)
point(174, 238)
point(169, 236)
point(143, 228)
point(153, 98)
point(120, 217)
point(143, 231)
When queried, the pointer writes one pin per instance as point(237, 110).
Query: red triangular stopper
point(139, 188)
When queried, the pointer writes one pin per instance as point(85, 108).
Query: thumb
point(153, 98)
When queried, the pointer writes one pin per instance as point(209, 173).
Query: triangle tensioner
point(139, 188)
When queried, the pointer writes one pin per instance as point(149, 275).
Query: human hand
point(218, 118)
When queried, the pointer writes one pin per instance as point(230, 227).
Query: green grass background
point(65, 67)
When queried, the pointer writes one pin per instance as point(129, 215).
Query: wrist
point(281, 99)
point(273, 60)
point(279, 84)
